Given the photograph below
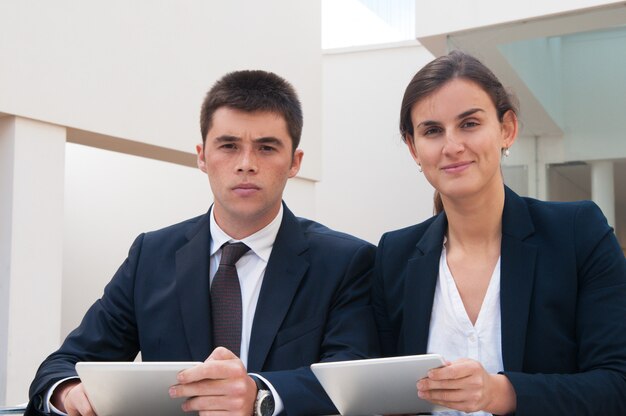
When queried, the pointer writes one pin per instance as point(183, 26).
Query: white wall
point(139, 69)
point(370, 183)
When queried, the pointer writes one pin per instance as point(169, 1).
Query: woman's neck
point(475, 221)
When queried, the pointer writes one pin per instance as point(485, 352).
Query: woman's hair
point(440, 71)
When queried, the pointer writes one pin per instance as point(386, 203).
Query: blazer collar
point(517, 276)
point(286, 268)
point(516, 222)
point(420, 283)
point(193, 289)
point(283, 274)
point(516, 219)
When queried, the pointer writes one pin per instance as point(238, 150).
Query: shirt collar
point(260, 243)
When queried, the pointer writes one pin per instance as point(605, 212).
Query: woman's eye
point(432, 131)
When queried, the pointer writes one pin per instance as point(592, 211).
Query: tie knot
point(232, 252)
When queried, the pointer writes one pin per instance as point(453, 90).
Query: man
point(304, 289)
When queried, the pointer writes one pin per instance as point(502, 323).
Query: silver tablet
point(378, 386)
point(132, 388)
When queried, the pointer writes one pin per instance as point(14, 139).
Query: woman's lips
point(456, 167)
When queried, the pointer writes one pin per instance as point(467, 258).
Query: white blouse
point(451, 332)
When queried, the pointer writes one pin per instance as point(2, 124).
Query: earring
point(506, 152)
point(419, 167)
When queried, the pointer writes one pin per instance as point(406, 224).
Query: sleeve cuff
point(47, 405)
point(278, 402)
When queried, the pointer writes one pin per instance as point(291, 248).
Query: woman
point(526, 299)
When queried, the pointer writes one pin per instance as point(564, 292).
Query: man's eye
point(267, 148)
point(228, 146)
point(469, 124)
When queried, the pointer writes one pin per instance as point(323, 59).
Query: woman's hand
point(465, 385)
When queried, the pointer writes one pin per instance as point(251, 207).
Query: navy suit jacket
point(562, 300)
point(313, 306)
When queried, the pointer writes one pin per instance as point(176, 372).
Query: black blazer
point(313, 306)
point(562, 301)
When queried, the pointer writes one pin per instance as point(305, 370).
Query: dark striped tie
point(226, 299)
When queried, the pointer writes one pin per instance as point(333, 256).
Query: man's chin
point(251, 213)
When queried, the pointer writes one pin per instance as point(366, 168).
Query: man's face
point(248, 159)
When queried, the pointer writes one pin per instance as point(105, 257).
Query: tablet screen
point(132, 388)
point(379, 385)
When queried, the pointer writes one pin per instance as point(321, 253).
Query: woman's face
point(458, 139)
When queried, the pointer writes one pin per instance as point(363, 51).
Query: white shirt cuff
point(47, 405)
point(278, 402)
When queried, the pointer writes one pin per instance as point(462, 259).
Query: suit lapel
point(420, 283)
point(517, 275)
point(285, 270)
point(192, 287)
point(516, 282)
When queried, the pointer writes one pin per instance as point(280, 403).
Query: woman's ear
point(408, 139)
point(510, 127)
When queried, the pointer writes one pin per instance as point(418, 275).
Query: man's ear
point(200, 158)
point(296, 162)
point(510, 128)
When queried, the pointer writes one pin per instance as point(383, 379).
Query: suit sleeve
point(108, 332)
point(350, 334)
point(599, 387)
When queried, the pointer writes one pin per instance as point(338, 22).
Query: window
point(347, 23)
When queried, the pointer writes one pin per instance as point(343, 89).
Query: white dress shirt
point(250, 269)
point(451, 332)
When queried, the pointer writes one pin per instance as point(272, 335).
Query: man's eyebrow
point(269, 140)
point(227, 138)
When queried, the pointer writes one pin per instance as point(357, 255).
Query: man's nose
point(247, 161)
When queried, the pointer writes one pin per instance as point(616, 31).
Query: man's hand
point(70, 397)
point(220, 384)
point(465, 385)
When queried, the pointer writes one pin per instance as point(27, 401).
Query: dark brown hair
point(440, 71)
point(251, 91)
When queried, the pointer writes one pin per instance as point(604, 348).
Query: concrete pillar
point(603, 189)
point(531, 151)
point(32, 156)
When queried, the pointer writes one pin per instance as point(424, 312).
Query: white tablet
point(378, 386)
point(132, 388)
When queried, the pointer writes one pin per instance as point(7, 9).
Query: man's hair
point(252, 91)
